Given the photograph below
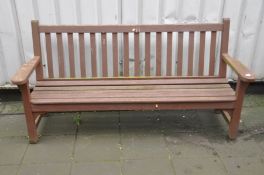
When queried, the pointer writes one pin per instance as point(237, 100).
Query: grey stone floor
point(133, 143)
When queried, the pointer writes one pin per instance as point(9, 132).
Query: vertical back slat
point(49, 55)
point(190, 53)
point(147, 54)
point(104, 54)
point(93, 54)
point(136, 51)
point(224, 47)
point(60, 55)
point(126, 55)
point(169, 54)
point(71, 54)
point(82, 54)
point(180, 53)
point(201, 53)
point(115, 54)
point(37, 48)
point(212, 53)
point(158, 53)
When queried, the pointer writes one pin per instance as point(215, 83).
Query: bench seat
point(132, 91)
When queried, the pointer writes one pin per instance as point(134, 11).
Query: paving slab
point(13, 107)
point(97, 148)
point(2, 106)
point(244, 165)
point(253, 117)
point(147, 167)
point(13, 125)
point(96, 168)
point(253, 100)
point(51, 149)
point(59, 124)
point(100, 117)
point(237, 148)
point(199, 166)
point(12, 150)
point(44, 169)
point(189, 145)
point(8, 169)
point(144, 144)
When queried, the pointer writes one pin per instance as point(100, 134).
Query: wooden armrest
point(242, 71)
point(22, 75)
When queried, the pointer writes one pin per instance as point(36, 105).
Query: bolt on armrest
point(22, 75)
point(243, 72)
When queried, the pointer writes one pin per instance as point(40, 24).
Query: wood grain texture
point(82, 55)
point(37, 47)
point(158, 53)
point(147, 54)
point(71, 55)
point(190, 54)
point(60, 55)
point(104, 54)
point(49, 55)
point(180, 54)
point(169, 54)
point(93, 54)
point(136, 54)
point(126, 55)
point(212, 53)
point(115, 55)
point(201, 54)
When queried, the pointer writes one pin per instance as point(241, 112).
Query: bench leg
point(236, 113)
point(30, 119)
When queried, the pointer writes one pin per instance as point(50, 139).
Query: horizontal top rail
point(130, 28)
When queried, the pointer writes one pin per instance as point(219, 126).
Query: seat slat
point(132, 82)
point(91, 88)
point(133, 100)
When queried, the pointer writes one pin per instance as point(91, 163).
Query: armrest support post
point(22, 75)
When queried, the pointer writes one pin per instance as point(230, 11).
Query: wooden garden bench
point(186, 83)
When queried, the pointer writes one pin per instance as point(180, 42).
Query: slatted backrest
point(131, 50)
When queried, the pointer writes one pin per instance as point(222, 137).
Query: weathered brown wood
point(104, 54)
point(115, 54)
point(201, 54)
point(158, 53)
point(49, 55)
point(60, 55)
point(126, 55)
point(226, 116)
point(132, 82)
point(31, 126)
point(131, 28)
point(138, 106)
point(136, 52)
point(22, 75)
point(180, 54)
point(190, 53)
point(138, 87)
point(147, 54)
point(224, 46)
point(236, 113)
point(93, 54)
point(37, 47)
point(239, 68)
point(169, 54)
point(71, 55)
point(212, 53)
point(82, 55)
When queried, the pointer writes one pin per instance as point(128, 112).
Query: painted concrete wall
point(246, 34)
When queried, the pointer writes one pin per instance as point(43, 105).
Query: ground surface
point(133, 143)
